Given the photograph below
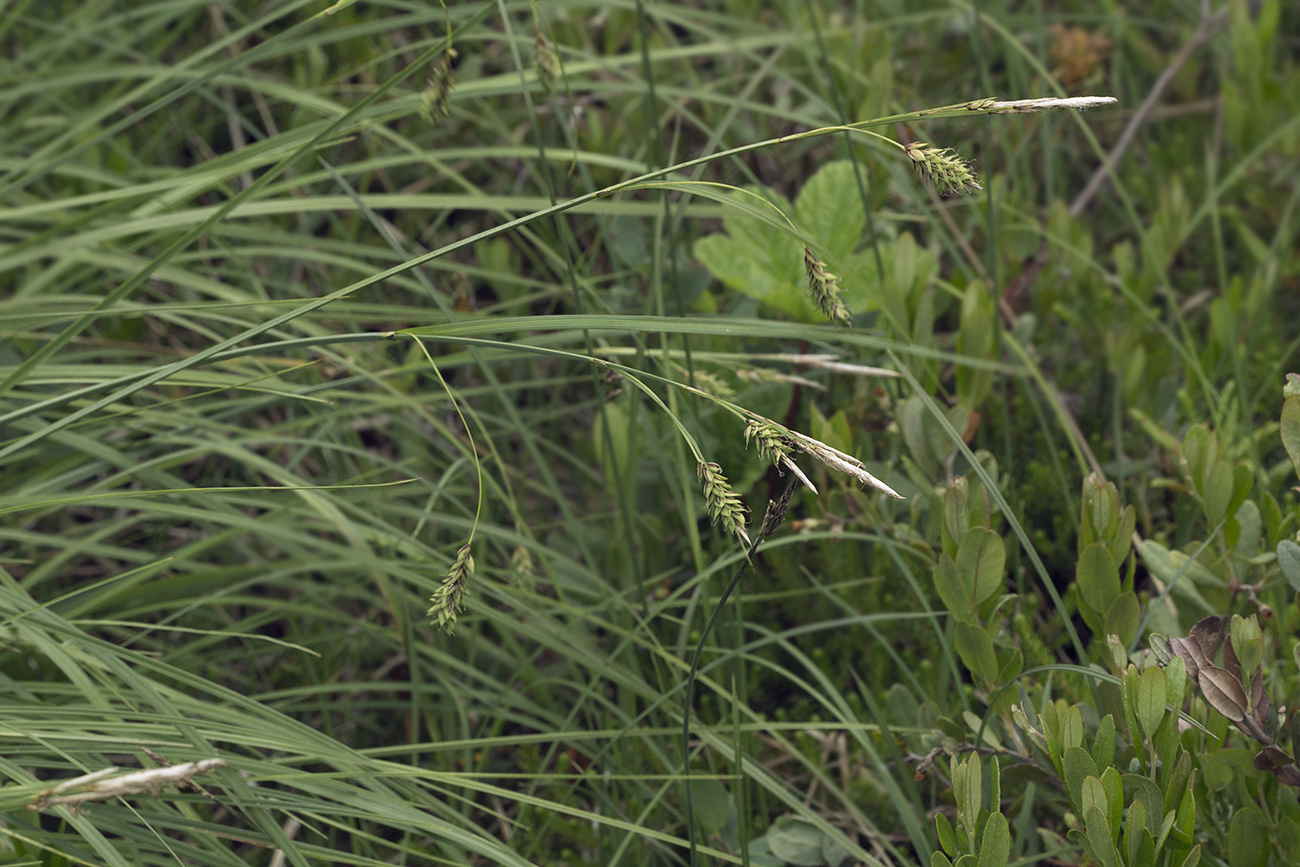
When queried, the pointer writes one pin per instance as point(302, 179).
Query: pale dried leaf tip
point(942, 168)
point(720, 501)
point(99, 786)
point(855, 369)
point(823, 289)
point(838, 460)
point(449, 599)
point(774, 443)
point(790, 465)
point(1030, 106)
point(766, 374)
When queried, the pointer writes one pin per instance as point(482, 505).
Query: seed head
point(720, 501)
point(546, 60)
point(769, 439)
point(942, 168)
point(823, 289)
point(437, 93)
point(449, 599)
point(712, 384)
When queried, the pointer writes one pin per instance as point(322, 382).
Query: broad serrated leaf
point(830, 209)
point(757, 256)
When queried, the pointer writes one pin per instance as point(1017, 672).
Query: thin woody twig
point(1208, 27)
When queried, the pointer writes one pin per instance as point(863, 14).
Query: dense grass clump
point(649, 434)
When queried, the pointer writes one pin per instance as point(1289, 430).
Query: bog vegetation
point(650, 433)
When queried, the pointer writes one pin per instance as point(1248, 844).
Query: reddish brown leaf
point(1223, 691)
point(1207, 633)
point(1271, 758)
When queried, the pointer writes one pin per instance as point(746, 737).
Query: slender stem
point(690, 690)
point(765, 530)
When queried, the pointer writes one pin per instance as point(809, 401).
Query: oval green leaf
point(981, 563)
point(1098, 578)
point(1151, 700)
point(995, 845)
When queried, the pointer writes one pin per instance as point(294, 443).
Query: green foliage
point(762, 258)
point(1164, 794)
point(1108, 605)
point(981, 836)
point(798, 843)
point(313, 316)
